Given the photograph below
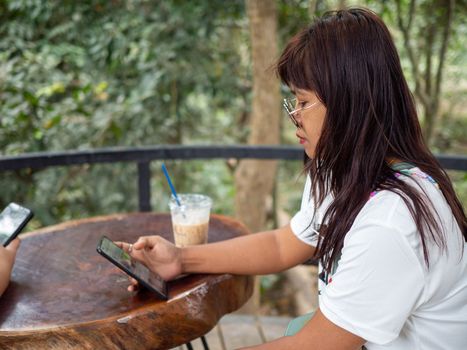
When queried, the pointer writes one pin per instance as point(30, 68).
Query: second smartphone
point(12, 220)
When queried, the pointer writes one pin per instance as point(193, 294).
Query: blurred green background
point(93, 74)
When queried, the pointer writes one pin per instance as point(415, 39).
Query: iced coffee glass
point(190, 220)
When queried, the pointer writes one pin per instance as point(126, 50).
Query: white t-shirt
point(382, 289)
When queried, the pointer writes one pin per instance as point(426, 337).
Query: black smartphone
point(12, 220)
point(116, 255)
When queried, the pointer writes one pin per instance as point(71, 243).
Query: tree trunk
point(254, 179)
point(437, 30)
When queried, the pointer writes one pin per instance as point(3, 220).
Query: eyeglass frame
point(288, 101)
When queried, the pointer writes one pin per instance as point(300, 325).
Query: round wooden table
point(64, 295)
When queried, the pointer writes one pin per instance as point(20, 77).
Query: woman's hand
point(7, 259)
point(158, 254)
point(8, 253)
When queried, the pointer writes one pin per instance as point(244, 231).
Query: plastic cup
point(190, 220)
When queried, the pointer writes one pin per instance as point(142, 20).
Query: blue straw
point(172, 188)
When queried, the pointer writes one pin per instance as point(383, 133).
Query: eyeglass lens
point(289, 105)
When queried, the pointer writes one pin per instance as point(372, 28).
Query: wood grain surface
point(64, 295)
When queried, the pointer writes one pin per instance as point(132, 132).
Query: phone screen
point(134, 268)
point(12, 220)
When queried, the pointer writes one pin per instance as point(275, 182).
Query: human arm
point(259, 253)
point(7, 259)
point(317, 334)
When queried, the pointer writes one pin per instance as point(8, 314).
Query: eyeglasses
point(289, 105)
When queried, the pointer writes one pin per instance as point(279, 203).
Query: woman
point(377, 209)
point(7, 259)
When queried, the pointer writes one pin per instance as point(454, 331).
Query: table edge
point(75, 222)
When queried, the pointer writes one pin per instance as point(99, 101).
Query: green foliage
point(91, 74)
point(94, 73)
point(101, 73)
point(459, 179)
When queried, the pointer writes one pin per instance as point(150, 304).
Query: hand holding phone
point(116, 255)
point(7, 260)
point(12, 220)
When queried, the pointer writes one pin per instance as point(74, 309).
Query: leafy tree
point(93, 74)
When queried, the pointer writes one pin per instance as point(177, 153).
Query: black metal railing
point(143, 156)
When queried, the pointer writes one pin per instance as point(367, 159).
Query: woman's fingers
point(134, 285)
point(142, 243)
point(146, 242)
point(137, 255)
point(125, 246)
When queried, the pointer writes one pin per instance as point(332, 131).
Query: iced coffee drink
point(190, 219)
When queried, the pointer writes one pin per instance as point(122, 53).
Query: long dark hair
point(349, 60)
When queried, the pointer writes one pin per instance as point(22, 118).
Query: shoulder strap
point(402, 166)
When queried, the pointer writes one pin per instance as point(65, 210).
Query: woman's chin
point(310, 152)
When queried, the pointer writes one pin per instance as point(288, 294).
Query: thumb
point(14, 245)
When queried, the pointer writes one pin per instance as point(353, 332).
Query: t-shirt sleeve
point(377, 284)
point(301, 223)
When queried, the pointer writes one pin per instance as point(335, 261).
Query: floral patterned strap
point(409, 170)
point(416, 172)
point(401, 166)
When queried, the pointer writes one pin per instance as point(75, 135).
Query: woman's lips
point(302, 140)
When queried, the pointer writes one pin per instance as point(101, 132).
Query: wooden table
point(64, 295)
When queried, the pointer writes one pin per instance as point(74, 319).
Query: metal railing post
point(144, 186)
